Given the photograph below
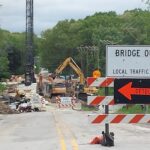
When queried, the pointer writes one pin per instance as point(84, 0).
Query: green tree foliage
point(68, 37)
point(101, 29)
point(147, 2)
point(4, 73)
point(13, 52)
point(13, 46)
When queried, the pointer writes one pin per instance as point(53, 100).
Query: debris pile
point(5, 109)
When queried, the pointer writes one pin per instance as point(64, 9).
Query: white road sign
point(128, 61)
point(66, 100)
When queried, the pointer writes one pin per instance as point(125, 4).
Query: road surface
point(65, 129)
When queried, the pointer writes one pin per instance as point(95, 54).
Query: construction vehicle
point(71, 87)
point(69, 61)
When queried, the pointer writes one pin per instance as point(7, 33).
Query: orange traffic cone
point(97, 140)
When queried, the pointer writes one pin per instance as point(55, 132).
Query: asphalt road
point(65, 129)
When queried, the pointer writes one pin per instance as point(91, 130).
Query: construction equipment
point(69, 61)
point(70, 87)
point(29, 67)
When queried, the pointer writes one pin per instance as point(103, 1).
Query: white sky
point(48, 12)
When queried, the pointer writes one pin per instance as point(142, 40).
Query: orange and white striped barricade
point(65, 102)
point(58, 101)
point(119, 118)
point(61, 105)
point(76, 104)
point(100, 100)
point(110, 118)
point(100, 82)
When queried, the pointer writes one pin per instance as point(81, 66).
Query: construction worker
point(96, 73)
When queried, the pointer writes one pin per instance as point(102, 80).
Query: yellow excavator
point(72, 86)
point(69, 61)
point(81, 86)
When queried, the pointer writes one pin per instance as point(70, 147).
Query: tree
point(147, 2)
point(100, 29)
point(14, 46)
point(4, 72)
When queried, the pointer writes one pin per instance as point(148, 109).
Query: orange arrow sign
point(127, 90)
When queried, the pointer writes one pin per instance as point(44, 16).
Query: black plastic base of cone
point(108, 139)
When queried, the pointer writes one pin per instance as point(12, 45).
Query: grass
point(101, 91)
point(135, 109)
point(88, 108)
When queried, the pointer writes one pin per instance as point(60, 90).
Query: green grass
point(88, 108)
point(101, 91)
point(135, 109)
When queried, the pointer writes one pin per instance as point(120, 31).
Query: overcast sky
point(48, 12)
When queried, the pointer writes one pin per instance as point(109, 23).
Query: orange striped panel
point(106, 82)
point(97, 100)
point(99, 118)
point(90, 80)
point(136, 118)
point(118, 118)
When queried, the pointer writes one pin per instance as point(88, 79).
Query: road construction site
point(33, 119)
point(102, 103)
point(65, 129)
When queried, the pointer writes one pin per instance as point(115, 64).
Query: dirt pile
point(5, 109)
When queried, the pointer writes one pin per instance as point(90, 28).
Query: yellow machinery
point(71, 87)
point(82, 81)
point(69, 61)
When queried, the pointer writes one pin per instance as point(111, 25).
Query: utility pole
point(29, 68)
point(86, 52)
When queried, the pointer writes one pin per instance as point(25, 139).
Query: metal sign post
point(106, 112)
point(108, 137)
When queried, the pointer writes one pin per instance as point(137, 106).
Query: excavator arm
point(62, 66)
point(69, 61)
point(78, 71)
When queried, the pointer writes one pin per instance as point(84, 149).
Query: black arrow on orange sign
point(127, 90)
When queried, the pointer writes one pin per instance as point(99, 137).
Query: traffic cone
point(97, 140)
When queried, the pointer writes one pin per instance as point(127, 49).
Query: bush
point(2, 87)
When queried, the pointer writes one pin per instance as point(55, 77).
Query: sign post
point(106, 112)
point(131, 65)
point(128, 61)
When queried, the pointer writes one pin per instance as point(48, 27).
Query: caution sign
point(132, 91)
